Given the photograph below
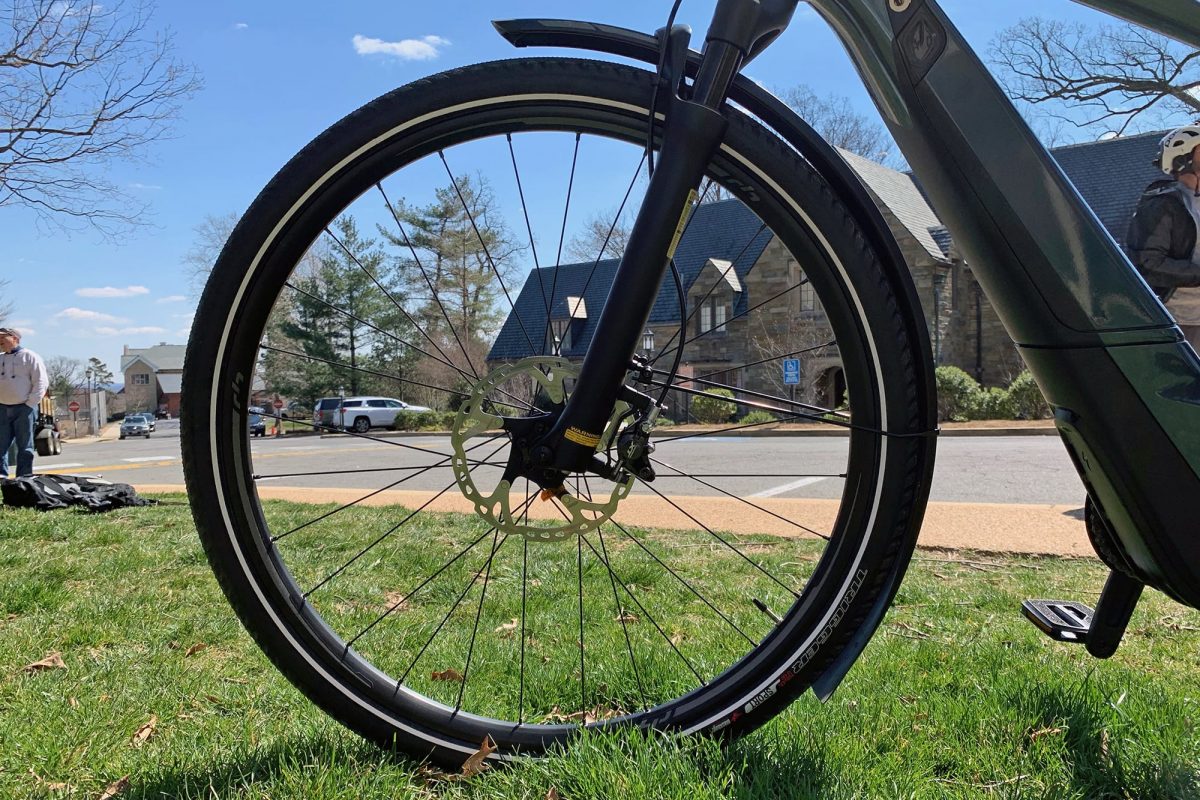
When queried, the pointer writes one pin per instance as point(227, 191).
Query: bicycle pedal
point(1062, 620)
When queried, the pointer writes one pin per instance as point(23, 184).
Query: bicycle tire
point(879, 515)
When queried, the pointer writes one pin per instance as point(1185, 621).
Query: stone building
point(153, 377)
point(747, 304)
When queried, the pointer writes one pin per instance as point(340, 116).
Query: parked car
point(135, 425)
point(162, 413)
point(360, 414)
point(255, 424)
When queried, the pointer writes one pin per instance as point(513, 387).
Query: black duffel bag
point(48, 492)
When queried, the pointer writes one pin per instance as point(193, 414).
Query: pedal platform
point(1062, 620)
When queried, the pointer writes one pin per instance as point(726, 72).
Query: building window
point(808, 298)
point(713, 316)
point(140, 379)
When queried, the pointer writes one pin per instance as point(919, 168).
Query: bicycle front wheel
point(451, 244)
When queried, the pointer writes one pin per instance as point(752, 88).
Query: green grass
point(956, 696)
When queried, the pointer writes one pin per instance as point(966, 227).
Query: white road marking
point(150, 458)
point(54, 467)
point(787, 487)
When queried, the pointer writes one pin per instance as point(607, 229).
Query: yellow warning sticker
point(683, 218)
point(582, 437)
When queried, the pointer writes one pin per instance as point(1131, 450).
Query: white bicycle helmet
point(1175, 149)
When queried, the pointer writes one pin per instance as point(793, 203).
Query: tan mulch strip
point(990, 527)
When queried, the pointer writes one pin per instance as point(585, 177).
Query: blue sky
point(275, 75)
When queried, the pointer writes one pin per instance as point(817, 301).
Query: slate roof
point(899, 192)
point(161, 357)
point(723, 230)
point(1111, 175)
point(944, 240)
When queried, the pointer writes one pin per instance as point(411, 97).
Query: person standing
point(1162, 238)
point(23, 382)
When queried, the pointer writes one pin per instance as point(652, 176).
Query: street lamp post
point(88, 373)
point(648, 342)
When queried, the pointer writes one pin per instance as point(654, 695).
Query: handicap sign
point(791, 371)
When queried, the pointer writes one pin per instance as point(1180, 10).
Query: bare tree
point(839, 124)
point(1108, 75)
point(211, 235)
point(5, 306)
point(65, 374)
point(84, 85)
point(604, 235)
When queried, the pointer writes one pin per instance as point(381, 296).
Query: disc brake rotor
point(478, 416)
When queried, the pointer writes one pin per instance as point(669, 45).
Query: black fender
point(776, 115)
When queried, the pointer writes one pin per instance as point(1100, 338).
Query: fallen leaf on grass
point(1043, 732)
point(447, 675)
point(58, 787)
point(552, 794)
point(196, 648)
point(587, 717)
point(173, 645)
point(74, 703)
point(477, 762)
point(52, 661)
point(396, 601)
point(115, 788)
point(626, 617)
point(143, 734)
point(506, 630)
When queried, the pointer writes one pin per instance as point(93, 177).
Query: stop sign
point(278, 403)
point(73, 406)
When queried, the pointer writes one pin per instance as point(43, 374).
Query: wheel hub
point(492, 406)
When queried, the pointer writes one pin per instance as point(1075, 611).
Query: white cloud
point(112, 291)
point(148, 187)
point(84, 314)
point(171, 298)
point(422, 49)
point(105, 330)
point(240, 26)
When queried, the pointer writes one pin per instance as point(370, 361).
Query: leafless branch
point(1115, 76)
point(82, 86)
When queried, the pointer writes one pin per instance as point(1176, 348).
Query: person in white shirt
point(23, 382)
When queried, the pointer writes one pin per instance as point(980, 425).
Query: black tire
point(122, 437)
point(44, 446)
point(876, 526)
point(361, 425)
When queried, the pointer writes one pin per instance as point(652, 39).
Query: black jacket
point(1162, 237)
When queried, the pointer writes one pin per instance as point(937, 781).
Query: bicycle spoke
point(582, 675)
point(740, 499)
point(721, 539)
point(755, 307)
point(648, 615)
point(487, 578)
point(767, 360)
point(537, 267)
point(432, 292)
point(363, 370)
point(445, 619)
point(383, 289)
point(748, 393)
point(621, 617)
point(686, 584)
point(501, 465)
point(561, 237)
point(386, 534)
point(613, 227)
point(491, 262)
point(696, 308)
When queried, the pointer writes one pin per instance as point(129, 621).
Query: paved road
point(1031, 470)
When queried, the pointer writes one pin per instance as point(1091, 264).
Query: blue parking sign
point(791, 371)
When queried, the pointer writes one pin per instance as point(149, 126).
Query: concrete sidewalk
point(983, 527)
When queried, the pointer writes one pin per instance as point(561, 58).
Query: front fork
point(694, 129)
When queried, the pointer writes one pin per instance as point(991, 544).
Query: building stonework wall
point(140, 397)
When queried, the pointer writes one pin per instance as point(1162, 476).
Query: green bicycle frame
point(1109, 358)
point(1124, 385)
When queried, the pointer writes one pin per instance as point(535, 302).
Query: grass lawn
point(957, 696)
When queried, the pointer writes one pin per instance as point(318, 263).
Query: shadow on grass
point(289, 763)
point(1106, 753)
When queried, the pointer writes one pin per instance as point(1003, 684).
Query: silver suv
point(360, 414)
